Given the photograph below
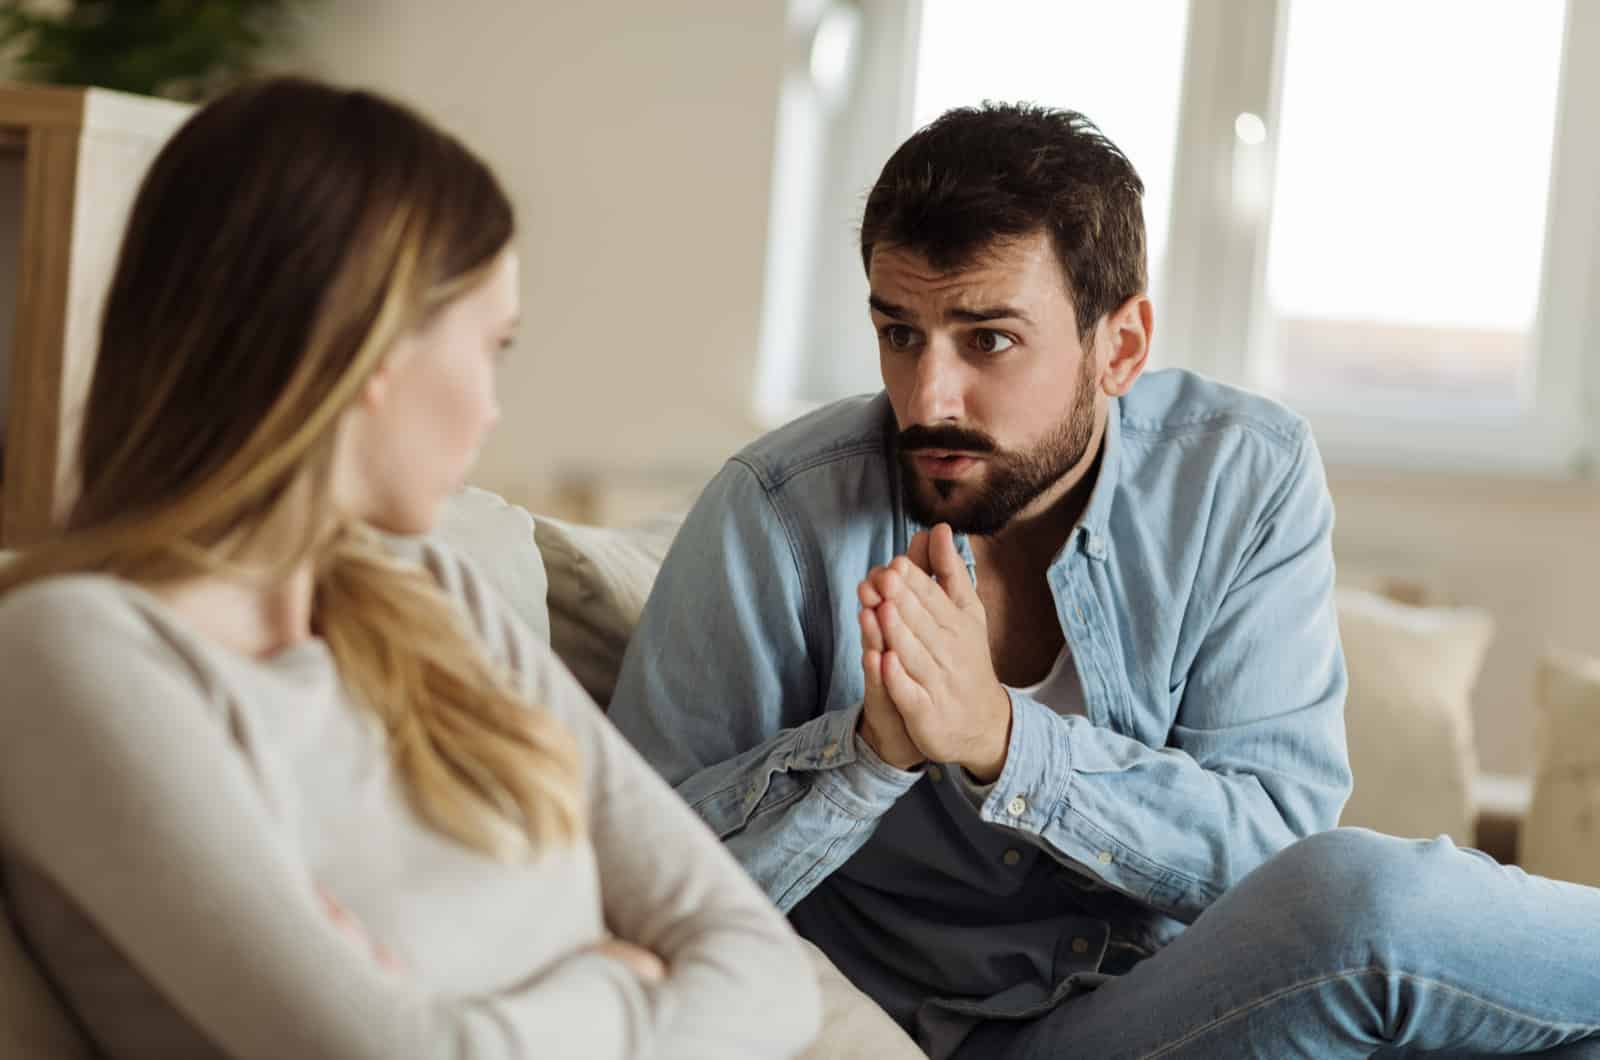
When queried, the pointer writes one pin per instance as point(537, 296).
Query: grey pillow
point(498, 539)
point(600, 578)
point(1408, 714)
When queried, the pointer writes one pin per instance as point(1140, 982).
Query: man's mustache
point(918, 437)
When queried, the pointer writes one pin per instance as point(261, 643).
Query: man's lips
point(944, 463)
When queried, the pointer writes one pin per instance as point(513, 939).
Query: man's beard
point(1012, 480)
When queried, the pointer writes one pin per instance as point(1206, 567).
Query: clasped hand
point(932, 693)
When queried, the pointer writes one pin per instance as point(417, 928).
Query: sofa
point(1408, 719)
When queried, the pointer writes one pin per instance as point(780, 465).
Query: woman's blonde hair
point(281, 242)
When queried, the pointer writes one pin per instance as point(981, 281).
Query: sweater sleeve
point(121, 784)
point(738, 981)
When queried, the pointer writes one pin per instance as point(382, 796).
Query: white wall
point(636, 139)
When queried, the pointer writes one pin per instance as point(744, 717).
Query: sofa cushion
point(600, 578)
point(498, 539)
point(1561, 836)
point(1409, 713)
point(853, 1026)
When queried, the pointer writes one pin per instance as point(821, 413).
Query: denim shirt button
point(1080, 945)
point(1017, 806)
point(935, 774)
point(1106, 857)
point(1011, 857)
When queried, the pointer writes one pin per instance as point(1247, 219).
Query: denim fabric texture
point(1196, 598)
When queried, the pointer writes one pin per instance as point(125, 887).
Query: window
point(1384, 212)
point(1046, 53)
point(1408, 220)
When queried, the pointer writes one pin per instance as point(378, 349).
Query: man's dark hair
point(980, 175)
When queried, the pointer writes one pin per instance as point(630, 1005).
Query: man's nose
point(939, 387)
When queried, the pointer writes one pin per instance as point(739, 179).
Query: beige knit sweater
point(168, 809)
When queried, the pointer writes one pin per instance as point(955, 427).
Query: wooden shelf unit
point(70, 163)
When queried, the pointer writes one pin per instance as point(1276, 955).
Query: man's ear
point(1127, 330)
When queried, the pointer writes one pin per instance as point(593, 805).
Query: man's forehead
point(1005, 272)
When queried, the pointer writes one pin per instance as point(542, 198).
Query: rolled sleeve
point(1038, 770)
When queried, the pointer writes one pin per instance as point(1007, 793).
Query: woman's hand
point(640, 961)
point(346, 921)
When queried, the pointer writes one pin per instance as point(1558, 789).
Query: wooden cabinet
point(70, 163)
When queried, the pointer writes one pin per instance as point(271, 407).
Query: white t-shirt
point(1060, 690)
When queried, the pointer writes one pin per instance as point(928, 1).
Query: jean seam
point(1347, 973)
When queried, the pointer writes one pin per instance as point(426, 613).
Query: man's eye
point(899, 336)
point(991, 341)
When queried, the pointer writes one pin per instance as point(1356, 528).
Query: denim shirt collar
point(1091, 532)
point(1095, 523)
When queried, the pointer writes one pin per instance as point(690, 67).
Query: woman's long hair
point(281, 242)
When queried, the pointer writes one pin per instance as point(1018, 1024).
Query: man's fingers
point(912, 585)
point(904, 691)
point(950, 567)
point(903, 640)
point(871, 634)
point(867, 593)
point(916, 594)
point(872, 669)
point(872, 654)
point(917, 551)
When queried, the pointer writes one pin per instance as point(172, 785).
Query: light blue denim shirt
point(1196, 598)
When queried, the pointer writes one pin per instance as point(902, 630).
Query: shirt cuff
point(1038, 770)
point(847, 770)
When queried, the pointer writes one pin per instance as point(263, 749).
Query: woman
point(241, 736)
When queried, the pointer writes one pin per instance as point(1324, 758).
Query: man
point(1001, 679)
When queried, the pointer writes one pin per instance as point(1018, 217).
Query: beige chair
point(1561, 837)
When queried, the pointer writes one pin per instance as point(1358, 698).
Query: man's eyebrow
point(970, 316)
point(888, 309)
point(996, 312)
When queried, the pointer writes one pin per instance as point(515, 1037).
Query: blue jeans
point(1349, 944)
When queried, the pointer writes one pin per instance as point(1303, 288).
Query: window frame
point(1213, 317)
point(1234, 64)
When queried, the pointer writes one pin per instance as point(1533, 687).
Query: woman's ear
point(374, 394)
point(375, 391)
